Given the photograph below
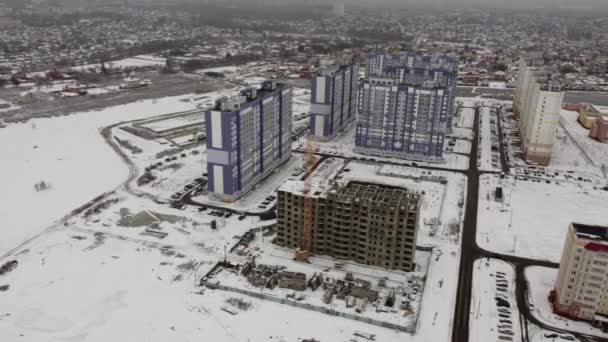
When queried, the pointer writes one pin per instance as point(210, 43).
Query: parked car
point(503, 304)
point(506, 332)
point(503, 310)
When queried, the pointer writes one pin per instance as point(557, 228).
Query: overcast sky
point(493, 3)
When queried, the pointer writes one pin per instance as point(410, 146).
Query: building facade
point(401, 120)
point(370, 224)
point(588, 113)
point(599, 130)
point(537, 105)
point(248, 136)
point(333, 100)
point(416, 69)
point(581, 287)
point(406, 106)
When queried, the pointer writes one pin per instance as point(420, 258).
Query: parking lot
point(493, 306)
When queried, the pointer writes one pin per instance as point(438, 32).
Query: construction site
point(307, 260)
point(372, 295)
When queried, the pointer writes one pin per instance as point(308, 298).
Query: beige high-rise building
point(537, 105)
point(581, 287)
point(368, 223)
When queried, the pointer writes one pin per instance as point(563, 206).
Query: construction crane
point(305, 248)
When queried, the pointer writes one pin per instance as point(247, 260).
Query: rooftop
point(248, 95)
point(589, 232)
point(424, 84)
point(377, 193)
point(331, 70)
point(415, 61)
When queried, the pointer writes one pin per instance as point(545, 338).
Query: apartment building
point(537, 105)
point(402, 120)
point(588, 113)
point(416, 69)
point(581, 287)
point(333, 100)
point(599, 129)
point(248, 136)
point(369, 223)
point(406, 106)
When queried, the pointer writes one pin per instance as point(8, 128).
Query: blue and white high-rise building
point(333, 100)
point(415, 69)
point(248, 137)
point(406, 106)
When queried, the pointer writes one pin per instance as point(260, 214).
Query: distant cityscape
point(390, 171)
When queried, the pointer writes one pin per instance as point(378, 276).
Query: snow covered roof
point(590, 232)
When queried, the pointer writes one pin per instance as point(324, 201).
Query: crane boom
point(305, 248)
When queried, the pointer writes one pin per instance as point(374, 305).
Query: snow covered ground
point(486, 321)
point(252, 200)
point(533, 220)
point(541, 281)
point(400, 282)
point(69, 154)
point(224, 69)
point(175, 122)
point(573, 150)
point(105, 274)
point(301, 101)
point(489, 153)
point(537, 334)
point(567, 155)
point(344, 143)
point(101, 276)
point(131, 62)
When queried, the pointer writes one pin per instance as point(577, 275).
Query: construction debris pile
point(273, 276)
point(356, 293)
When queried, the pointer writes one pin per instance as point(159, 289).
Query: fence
point(328, 311)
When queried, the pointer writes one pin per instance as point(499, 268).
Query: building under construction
point(371, 224)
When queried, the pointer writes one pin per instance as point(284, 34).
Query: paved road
point(460, 328)
point(470, 252)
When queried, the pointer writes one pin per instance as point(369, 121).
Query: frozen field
point(533, 220)
point(68, 153)
point(542, 281)
point(301, 101)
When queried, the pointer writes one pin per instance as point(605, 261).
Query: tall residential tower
point(406, 105)
point(248, 136)
point(333, 100)
point(537, 105)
